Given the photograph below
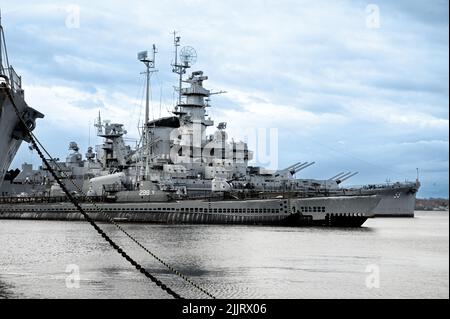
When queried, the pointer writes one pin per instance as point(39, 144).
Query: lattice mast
point(149, 70)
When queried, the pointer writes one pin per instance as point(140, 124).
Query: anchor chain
point(111, 220)
point(86, 216)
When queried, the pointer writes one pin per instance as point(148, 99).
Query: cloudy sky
point(352, 85)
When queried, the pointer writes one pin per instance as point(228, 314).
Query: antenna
point(188, 57)
point(99, 125)
point(150, 68)
point(176, 68)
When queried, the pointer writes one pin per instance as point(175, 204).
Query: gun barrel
point(335, 176)
point(295, 167)
point(339, 176)
point(351, 175)
point(291, 167)
point(287, 169)
point(344, 176)
point(299, 168)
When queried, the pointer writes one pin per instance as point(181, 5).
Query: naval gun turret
point(343, 178)
point(290, 171)
point(301, 167)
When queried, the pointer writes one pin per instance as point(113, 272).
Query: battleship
point(180, 174)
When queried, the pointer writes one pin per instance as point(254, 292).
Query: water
point(412, 256)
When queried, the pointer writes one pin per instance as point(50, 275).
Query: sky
point(359, 86)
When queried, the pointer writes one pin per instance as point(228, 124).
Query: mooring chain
point(111, 220)
point(99, 230)
point(86, 216)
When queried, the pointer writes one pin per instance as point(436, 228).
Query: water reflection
point(230, 261)
point(6, 290)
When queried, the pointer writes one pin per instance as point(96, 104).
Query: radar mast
point(187, 58)
point(150, 68)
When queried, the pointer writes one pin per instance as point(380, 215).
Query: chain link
point(111, 220)
point(85, 215)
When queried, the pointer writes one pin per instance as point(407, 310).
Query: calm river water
point(387, 258)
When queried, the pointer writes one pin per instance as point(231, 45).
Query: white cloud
point(60, 105)
point(310, 68)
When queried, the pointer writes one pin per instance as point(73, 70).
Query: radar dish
point(188, 55)
point(142, 56)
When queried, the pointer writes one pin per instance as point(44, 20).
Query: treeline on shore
point(431, 204)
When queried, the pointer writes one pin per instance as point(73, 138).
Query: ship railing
point(113, 188)
point(47, 199)
point(15, 81)
point(256, 194)
point(377, 186)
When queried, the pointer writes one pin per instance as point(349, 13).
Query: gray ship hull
point(399, 203)
point(12, 189)
point(8, 144)
point(396, 200)
point(11, 134)
point(344, 211)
